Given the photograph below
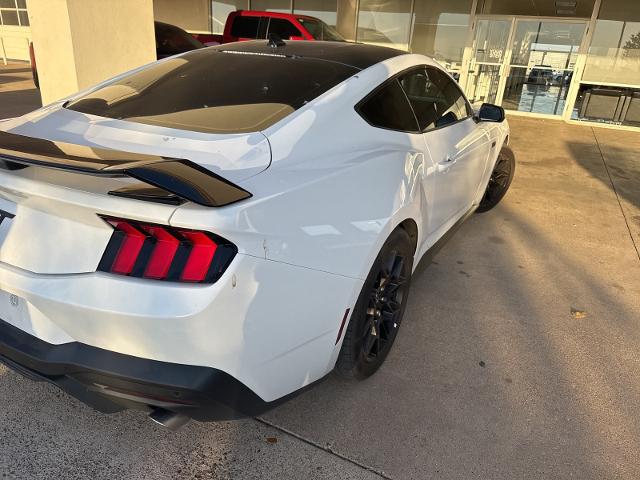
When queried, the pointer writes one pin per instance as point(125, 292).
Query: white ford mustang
point(206, 235)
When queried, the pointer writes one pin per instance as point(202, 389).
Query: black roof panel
point(357, 55)
point(209, 91)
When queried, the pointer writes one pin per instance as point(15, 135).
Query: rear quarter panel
point(336, 187)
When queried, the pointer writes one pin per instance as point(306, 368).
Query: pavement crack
point(615, 191)
point(353, 461)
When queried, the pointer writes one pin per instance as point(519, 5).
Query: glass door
point(541, 62)
point(523, 64)
point(487, 66)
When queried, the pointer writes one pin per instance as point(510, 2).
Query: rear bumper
point(110, 382)
point(269, 325)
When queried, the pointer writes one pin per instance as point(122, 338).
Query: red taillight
point(129, 248)
point(161, 252)
point(200, 257)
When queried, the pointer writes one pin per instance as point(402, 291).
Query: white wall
point(15, 41)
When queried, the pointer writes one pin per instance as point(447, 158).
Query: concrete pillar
point(347, 18)
point(79, 43)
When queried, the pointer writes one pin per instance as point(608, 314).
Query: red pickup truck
point(250, 25)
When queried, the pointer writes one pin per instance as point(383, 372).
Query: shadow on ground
point(16, 103)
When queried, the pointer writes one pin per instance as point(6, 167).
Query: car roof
point(264, 13)
point(356, 55)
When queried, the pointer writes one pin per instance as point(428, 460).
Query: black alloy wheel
point(500, 180)
point(379, 310)
point(383, 311)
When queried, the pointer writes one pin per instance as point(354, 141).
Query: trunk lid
point(50, 220)
point(235, 157)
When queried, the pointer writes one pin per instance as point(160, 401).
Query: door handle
point(446, 164)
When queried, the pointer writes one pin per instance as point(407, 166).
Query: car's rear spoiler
point(173, 179)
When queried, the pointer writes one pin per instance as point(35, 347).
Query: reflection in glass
point(614, 54)
point(440, 30)
point(542, 61)
point(489, 50)
point(538, 90)
point(579, 8)
point(220, 10)
point(325, 10)
point(193, 91)
point(319, 30)
point(10, 17)
point(554, 44)
point(612, 105)
point(283, 6)
point(483, 84)
point(385, 23)
point(491, 40)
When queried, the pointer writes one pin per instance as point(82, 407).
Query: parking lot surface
point(519, 355)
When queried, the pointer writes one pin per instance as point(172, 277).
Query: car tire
point(500, 180)
point(379, 309)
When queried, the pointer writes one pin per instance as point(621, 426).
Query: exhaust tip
point(171, 420)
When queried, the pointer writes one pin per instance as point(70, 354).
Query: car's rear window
point(215, 91)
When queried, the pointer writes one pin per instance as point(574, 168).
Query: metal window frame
point(15, 8)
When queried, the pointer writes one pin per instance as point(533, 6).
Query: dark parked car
point(540, 75)
point(170, 40)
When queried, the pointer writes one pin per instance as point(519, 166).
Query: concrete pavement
point(519, 356)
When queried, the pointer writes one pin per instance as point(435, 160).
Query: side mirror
point(490, 113)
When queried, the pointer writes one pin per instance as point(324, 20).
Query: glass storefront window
point(489, 47)
point(614, 53)
point(560, 8)
point(325, 10)
point(554, 44)
point(612, 105)
point(220, 10)
point(385, 23)
point(283, 6)
point(440, 30)
point(543, 57)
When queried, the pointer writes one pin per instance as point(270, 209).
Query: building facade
point(577, 60)
point(15, 33)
